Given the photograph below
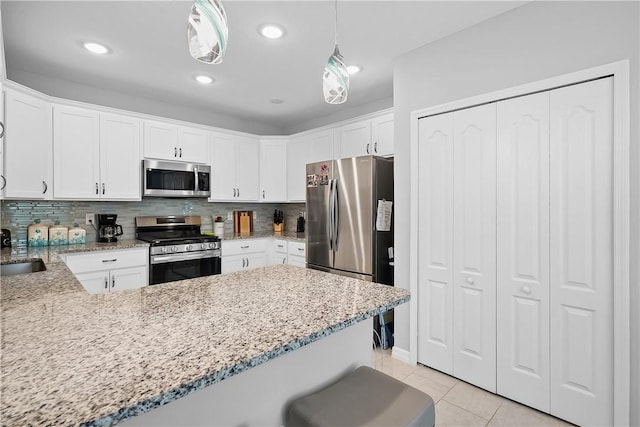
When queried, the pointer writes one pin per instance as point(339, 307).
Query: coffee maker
point(107, 228)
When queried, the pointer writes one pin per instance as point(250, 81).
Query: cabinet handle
point(45, 187)
point(244, 247)
point(113, 281)
point(96, 188)
point(106, 283)
point(180, 151)
point(234, 192)
point(175, 151)
point(4, 182)
point(281, 246)
point(2, 132)
point(301, 249)
point(103, 188)
point(243, 261)
point(284, 259)
point(526, 290)
point(375, 147)
point(110, 260)
point(263, 194)
point(238, 192)
point(247, 262)
point(470, 280)
point(368, 148)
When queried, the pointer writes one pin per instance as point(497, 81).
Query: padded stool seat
point(365, 397)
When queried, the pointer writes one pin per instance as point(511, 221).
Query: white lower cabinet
point(516, 252)
point(243, 254)
point(296, 253)
point(108, 271)
point(279, 252)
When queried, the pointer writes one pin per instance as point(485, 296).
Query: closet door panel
point(435, 247)
point(474, 237)
point(523, 250)
point(582, 253)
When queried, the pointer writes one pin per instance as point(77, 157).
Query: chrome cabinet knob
point(470, 280)
point(526, 290)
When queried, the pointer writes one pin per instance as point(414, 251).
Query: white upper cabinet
point(309, 148)
point(109, 146)
point(27, 146)
point(372, 136)
point(235, 167)
point(273, 170)
point(3, 181)
point(172, 142)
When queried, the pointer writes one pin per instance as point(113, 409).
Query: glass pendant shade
point(207, 31)
point(335, 80)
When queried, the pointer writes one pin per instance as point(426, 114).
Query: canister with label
point(38, 234)
point(77, 235)
point(58, 234)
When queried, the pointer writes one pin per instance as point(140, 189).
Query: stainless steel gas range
point(178, 250)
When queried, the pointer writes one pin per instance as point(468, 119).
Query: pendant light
point(207, 31)
point(335, 80)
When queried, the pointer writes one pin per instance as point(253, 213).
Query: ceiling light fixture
point(96, 48)
point(276, 101)
point(205, 80)
point(353, 69)
point(207, 31)
point(335, 80)
point(272, 31)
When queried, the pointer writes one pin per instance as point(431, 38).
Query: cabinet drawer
point(243, 246)
point(107, 260)
point(297, 248)
point(280, 246)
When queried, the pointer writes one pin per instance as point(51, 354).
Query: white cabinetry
point(296, 253)
point(3, 181)
point(372, 136)
point(279, 252)
point(303, 149)
point(235, 167)
point(273, 170)
point(173, 142)
point(96, 155)
point(27, 146)
point(243, 254)
point(108, 271)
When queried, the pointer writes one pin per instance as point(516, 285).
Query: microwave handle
point(195, 171)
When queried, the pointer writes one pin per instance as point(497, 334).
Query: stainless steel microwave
point(175, 179)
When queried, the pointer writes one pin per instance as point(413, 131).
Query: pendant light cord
point(336, 27)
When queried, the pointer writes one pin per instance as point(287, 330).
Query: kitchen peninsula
point(70, 358)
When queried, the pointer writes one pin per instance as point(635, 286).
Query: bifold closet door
point(523, 250)
point(435, 242)
point(582, 253)
point(474, 245)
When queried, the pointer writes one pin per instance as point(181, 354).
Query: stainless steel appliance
point(178, 249)
point(342, 203)
point(107, 229)
point(175, 179)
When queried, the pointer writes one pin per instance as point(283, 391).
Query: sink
point(22, 267)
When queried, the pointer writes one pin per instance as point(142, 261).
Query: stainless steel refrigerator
point(342, 209)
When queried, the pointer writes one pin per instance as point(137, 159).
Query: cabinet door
point(355, 139)
point(233, 263)
point(435, 243)
point(382, 135)
point(3, 181)
point(523, 250)
point(255, 260)
point(297, 153)
point(128, 278)
point(27, 147)
point(95, 283)
point(120, 157)
point(298, 261)
point(192, 145)
point(273, 170)
point(248, 169)
point(160, 141)
point(222, 158)
point(474, 245)
point(76, 153)
point(581, 253)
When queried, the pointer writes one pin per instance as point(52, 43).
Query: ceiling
point(149, 55)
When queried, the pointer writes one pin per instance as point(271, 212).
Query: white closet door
point(582, 253)
point(523, 250)
point(435, 247)
point(474, 246)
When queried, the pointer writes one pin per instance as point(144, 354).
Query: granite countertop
point(287, 235)
point(71, 358)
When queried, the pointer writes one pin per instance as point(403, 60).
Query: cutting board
point(243, 222)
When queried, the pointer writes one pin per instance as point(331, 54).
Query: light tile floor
point(459, 403)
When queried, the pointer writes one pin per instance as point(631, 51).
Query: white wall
point(533, 42)
point(126, 101)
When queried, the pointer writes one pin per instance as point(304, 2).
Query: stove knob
point(204, 246)
point(212, 245)
point(174, 249)
point(164, 249)
point(188, 247)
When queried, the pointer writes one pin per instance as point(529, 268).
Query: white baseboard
point(401, 354)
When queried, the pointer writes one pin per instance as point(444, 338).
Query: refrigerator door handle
point(330, 215)
point(336, 216)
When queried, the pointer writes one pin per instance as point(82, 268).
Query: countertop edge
point(198, 384)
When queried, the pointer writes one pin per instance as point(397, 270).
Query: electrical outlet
point(255, 215)
point(89, 218)
point(229, 216)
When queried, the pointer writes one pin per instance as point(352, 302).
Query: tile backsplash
point(17, 215)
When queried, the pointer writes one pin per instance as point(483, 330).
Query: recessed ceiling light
point(205, 80)
point(96, 48)
point(353, 69)
point(276, 101)
point(271, 31)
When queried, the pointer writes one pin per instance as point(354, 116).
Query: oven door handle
point(161, 259)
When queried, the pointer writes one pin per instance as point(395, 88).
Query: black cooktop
point(157, 239)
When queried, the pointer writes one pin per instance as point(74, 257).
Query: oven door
point(168, 268)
